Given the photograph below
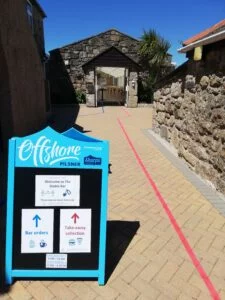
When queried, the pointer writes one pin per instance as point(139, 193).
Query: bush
point(80, 97)
point(145, 90)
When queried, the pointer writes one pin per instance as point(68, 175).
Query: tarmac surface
point(165, 239)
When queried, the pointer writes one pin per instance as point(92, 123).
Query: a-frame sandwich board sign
point(56, 206)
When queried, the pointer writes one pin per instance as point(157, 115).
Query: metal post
point(102, 100)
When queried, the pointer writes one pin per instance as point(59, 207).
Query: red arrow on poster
point(75, 217)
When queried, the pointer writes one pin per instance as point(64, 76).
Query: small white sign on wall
point(75, 231)
point(37, 230)
point(57, 190)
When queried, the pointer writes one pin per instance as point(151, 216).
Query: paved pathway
point(166, 241)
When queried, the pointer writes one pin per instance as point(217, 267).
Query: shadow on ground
point(119, 236)
point(119, 233)
point(64, 116)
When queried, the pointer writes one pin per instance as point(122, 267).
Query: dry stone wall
point(189, 112)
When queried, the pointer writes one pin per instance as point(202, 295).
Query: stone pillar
point(90, 88)
point(133, 90)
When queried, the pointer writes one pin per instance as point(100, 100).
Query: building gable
point(112, 57)
point(77, 54)
point(73, 65)
point(113, 33)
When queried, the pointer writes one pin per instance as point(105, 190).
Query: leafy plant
point(154, 57)
point(80, 97)
point(145, 90)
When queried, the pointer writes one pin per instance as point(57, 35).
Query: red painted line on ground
point(173, 221)
point(126, 112)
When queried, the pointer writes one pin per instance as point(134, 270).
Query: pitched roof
point(96, 35)
point(132, 61)
point(213, 29)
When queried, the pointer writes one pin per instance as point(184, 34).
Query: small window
point(29, 9)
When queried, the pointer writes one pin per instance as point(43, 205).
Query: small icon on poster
point(67, 192)
point(31, 244)
point(43, 244)
point(72, 242)
point(79, 241)
point(47, 193)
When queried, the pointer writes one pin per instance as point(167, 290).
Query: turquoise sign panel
point(57, 206)
point(48, 148)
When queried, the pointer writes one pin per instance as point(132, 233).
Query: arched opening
point(110, 85)
point(111, 76)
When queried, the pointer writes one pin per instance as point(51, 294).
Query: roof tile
point(217, 27)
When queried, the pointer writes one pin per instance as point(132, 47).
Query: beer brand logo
point(46, 151)
point(91, 160)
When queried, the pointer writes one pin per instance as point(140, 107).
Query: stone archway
point(112, 59)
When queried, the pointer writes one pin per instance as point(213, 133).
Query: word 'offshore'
point(46, 151)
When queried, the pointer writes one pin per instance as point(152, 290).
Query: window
point(29, 9)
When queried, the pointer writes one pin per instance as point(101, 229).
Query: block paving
point(145, 257)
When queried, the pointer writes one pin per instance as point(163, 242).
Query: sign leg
point(9, 279)
point(101, 279)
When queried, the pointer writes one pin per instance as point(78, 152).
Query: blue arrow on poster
point(36, 218)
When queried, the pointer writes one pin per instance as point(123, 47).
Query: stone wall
point(77, 54)
point(189, 112)
point(65, 64)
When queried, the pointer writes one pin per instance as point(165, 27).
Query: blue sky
point(70, 20)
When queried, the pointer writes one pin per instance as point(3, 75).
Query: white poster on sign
point(37, 230)
point(56, 261)
point(75, 231)
point(57, 190)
